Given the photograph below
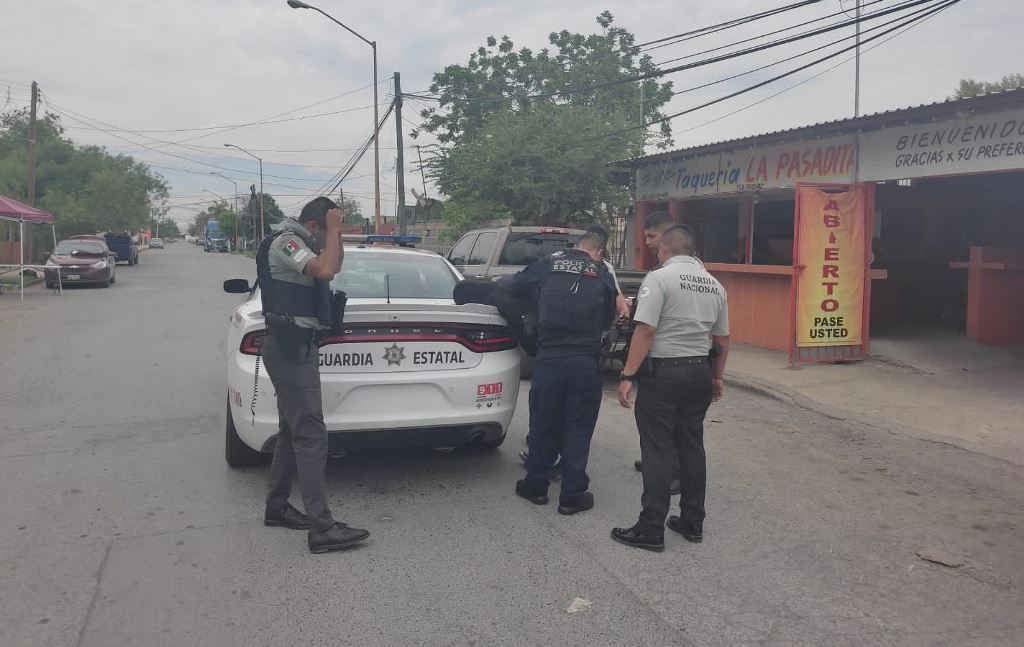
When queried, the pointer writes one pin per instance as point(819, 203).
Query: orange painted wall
point(758, 307)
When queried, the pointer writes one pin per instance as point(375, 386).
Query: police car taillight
point(553, 230)
point(488, 339)
point(252, 342)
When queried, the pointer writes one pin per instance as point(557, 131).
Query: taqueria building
point(824, 235)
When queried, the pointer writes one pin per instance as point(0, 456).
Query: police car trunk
point(409, 366)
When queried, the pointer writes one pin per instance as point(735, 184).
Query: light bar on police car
point(369, 239)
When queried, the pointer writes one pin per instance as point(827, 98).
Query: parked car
point(123, 246)
point(498, 251)
point(81, 260)
point(156, 243)
point(411, 368)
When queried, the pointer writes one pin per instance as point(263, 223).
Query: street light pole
point(263, 226)
point(298, 4)
point(234, 205)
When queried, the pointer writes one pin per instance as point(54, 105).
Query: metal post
point(376, 146)
point(21, 255)
point(60, 281)
point(856, 82)
point(263, 225)
point(400, 161)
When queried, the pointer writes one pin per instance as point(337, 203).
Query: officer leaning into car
point(575, 298)
point(681, 310)
point(295, 268)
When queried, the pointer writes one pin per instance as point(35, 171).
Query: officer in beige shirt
point(681, 310)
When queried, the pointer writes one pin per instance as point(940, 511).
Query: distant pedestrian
point(681, 310)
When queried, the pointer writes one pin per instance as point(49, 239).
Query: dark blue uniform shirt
point(575, 297)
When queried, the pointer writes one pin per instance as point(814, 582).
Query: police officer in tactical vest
point(681, 309)
point(575, 298)
point(295, 268)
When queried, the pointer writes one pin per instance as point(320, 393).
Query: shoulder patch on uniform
point(302, 255)
point(644, 291)
point(291, 247)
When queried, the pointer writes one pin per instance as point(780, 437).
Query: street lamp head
point(295, 4)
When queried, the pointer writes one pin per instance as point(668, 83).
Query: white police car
point(410, 368)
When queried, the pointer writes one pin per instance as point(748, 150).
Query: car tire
point(236, 452)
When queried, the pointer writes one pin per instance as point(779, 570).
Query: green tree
point(86, 188)
point(971, 88)
point(353, 211)
point(542, 159)
point(251, 214)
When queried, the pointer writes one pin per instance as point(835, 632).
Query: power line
point(234, 126)
point(695, 64)
point(83, 119)
point(811, 78)
point(943, 4)
point(896, 7)
point(711, 29)
point(795, 56)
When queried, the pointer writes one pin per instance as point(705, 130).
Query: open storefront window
point(773, 233)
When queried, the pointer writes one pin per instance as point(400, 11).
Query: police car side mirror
point(237, 286)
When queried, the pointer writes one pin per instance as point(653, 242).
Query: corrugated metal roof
point(864, 122)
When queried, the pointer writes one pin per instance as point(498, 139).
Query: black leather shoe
point(524, 491)
point(638, 538)
point(578, 504)
point(638, 466)
point(337, 537)
point(673, 487)
point(286, 517)
point(691, 532)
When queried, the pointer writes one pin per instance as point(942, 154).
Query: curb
point(793, 397)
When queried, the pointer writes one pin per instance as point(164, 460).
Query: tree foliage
point(542, 159)
point(971, 88)
point(86, 188)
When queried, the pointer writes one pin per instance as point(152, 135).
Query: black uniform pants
point(565, 397)
point(293, 362)
point(670, 409)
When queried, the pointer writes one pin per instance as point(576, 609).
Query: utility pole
point(856, 82)
point(400, 162)
point(31, 163)
point(423, 178)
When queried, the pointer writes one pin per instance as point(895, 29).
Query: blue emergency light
point(401, 241)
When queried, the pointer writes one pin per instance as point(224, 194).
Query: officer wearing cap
point(681, 310)
point(575, 298)
point(295, 268)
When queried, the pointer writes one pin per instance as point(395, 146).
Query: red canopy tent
point(12, 210)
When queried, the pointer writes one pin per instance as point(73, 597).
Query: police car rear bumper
point(412, 437)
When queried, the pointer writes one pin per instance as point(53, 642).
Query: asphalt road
point(122, 525)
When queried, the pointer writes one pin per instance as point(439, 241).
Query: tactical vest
point(573, 301)
point(287, 299)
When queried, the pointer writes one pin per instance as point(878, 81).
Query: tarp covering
point(11, 209)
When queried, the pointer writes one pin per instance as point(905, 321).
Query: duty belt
point(679, 361)
point(285, 327)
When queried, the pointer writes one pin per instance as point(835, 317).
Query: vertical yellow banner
point(830, 288)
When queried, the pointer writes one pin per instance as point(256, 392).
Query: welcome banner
point(830, 247)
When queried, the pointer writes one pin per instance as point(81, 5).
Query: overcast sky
point(158, 65)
